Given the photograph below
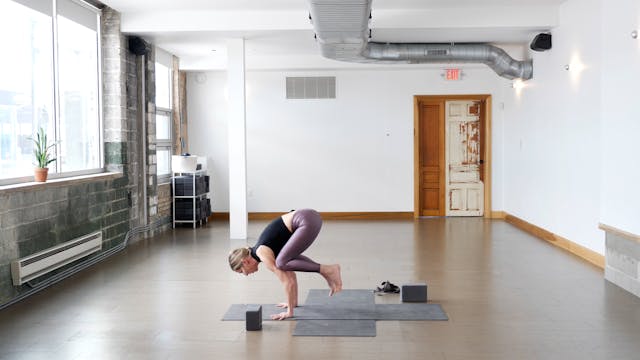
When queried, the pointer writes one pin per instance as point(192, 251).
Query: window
point(164, 123)
point(79, 122)
point(56, 90)
point(163, 142)
point(163, 88)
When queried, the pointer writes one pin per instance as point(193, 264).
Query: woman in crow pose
point(280, 248)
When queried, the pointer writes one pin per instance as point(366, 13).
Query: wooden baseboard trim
point(367, 215)
point(264, 215)
point(220, 216)
point(498, 215)
point(326, 215)
point(578, 250)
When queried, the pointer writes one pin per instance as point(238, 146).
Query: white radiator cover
point(41, 263)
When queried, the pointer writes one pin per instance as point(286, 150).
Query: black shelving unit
point(190, 201)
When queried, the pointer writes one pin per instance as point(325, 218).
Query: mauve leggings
point(305, 224)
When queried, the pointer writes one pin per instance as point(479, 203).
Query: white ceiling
point(279, 34)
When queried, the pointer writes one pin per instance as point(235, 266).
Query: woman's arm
point(288, 279)
point(295, 287)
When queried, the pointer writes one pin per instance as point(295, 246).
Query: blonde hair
point(236, 256)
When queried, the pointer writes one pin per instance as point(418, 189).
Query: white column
point(238, 218)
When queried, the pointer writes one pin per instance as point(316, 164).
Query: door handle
point(481, 162)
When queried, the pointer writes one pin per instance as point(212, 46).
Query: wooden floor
point(508, 296)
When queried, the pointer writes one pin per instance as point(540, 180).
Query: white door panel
point(457, 199)
point(464, 174)
point(475, 200)
point(465, 190)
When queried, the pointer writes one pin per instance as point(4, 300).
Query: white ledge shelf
point(72, 180)
point(622, 233)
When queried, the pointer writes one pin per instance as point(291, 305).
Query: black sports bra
point(274, 236)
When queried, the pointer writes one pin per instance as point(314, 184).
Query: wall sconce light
point(575, 66)
point(517, 84)
point(634, 34)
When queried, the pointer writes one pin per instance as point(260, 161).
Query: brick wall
point(164, 200)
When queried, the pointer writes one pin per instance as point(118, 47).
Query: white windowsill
point(34, 186)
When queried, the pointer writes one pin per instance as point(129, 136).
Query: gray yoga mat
point(352, 297)
point(346, 305)
point(408, 312)
point(356, 304)
point(360, 328)
point(237, 312)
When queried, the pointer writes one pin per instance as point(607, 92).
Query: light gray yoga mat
point(362, 328)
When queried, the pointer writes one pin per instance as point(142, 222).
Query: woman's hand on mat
point(282, 316)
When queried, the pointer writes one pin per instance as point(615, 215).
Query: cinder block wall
point(37, 218)
point(34, 220)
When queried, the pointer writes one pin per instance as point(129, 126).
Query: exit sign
point(452, 74)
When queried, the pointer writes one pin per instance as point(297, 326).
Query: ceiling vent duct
point(342, 30)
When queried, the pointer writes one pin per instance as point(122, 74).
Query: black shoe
point(388, 288)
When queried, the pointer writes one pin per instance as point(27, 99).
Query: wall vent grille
point(315, 87)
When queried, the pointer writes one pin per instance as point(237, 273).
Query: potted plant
point(43, 156)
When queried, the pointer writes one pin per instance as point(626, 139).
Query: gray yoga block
point(254, 317)
point(416, 292)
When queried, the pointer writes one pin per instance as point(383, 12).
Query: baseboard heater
point(41, 263)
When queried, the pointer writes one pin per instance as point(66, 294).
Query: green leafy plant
point(42, 149)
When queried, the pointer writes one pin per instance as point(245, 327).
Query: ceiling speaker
point(542, 42)
point(138, 46)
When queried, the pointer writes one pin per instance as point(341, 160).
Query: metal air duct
point(342, 28)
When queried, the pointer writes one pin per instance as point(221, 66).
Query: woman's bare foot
point(331, 273)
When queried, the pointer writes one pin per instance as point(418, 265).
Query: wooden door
point(431, 158)
point(442, 189)
point(464, 194)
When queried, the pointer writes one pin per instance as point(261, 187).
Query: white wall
point(208, 132)
point(552, 136)
point(564, 147)
point(352, 153)
point(620, 117)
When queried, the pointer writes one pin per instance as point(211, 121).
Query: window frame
point(56, 96)
point(165, 144)
point(164, 58)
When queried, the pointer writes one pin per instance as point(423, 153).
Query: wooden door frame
point(485, 140)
